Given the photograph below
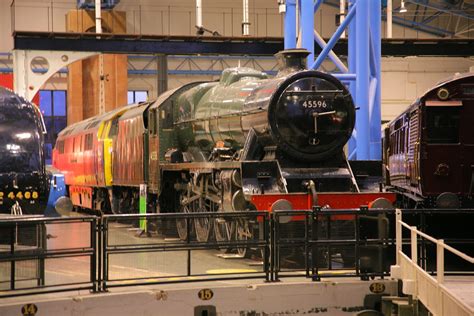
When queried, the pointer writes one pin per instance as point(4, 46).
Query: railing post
point(314, 243)
point(266, 249)
point(440, 261)
point(188, 241)
point(276, 246)
point(104, 248)
point(357, 243)
point(272, 246)
point(306, 242)
point(398, 234)
point(12, 254)
point(414, 245)
point(94, 258)
point(98, 249)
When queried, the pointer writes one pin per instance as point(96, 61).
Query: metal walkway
point(440, 294)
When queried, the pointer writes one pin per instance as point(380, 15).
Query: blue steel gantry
point(363, 23)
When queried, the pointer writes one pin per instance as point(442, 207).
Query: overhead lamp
point(402, 7)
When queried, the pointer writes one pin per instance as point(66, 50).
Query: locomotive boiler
point(23, 177)
point(297, 123)
point(244, 142)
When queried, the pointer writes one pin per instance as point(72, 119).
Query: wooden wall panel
point(84, 76)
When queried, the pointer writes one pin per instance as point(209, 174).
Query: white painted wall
point(405, 79)
point(170, 17)
point(328, 297)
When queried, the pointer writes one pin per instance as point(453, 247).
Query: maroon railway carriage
point(429, 148)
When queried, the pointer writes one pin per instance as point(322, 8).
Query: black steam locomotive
point(244, 142)
point(23, 177)
point(429, 148)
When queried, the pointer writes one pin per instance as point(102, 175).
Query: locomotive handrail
point(231, 114)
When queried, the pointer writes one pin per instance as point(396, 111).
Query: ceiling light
point(402, 7)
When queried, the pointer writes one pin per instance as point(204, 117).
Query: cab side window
point(114, 128)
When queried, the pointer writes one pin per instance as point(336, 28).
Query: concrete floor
point(144, 264)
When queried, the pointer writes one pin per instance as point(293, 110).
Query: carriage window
point(89, 142)
point(114, 128)
point(443, 124)
point(61, 146)
point(153, 127)
point(402, 140)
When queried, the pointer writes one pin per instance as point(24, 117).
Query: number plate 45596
point(315, 104)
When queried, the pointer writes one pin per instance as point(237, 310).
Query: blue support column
point(290, 24)
point(364, 27)
point(317, 4)
point(334, 38)
point(363, 79)
point(307, 28)
point(375, 111)
point(352, 53)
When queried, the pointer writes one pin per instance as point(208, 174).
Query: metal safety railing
point(431, 290)
point(333, 243)
point(40, 255)
point(176, 249)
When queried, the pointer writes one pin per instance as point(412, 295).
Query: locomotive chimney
point(291, 60)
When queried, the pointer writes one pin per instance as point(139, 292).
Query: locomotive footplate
point(333, 200)
point(325, 179)
point(261, 177)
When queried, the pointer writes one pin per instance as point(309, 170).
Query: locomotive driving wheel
point(223, 231)
point(181, 223)
point(243, 233)
point(202, 225)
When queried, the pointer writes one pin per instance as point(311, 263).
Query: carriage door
point(442, 159)
point(153, 149)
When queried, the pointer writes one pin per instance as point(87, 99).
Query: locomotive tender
point(23, 176)
point(429, 148)
point(244, 142)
